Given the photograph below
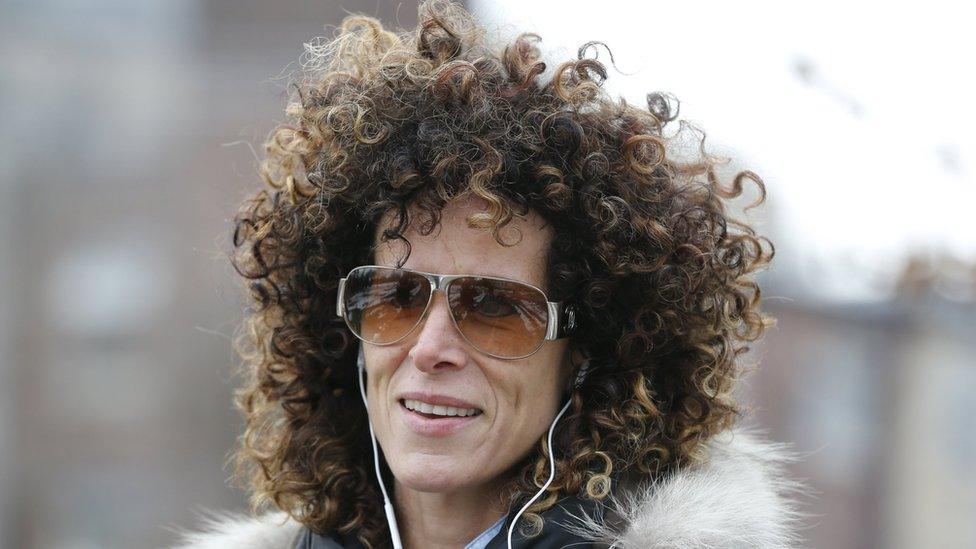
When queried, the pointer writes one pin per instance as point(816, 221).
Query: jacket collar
point(740, 496)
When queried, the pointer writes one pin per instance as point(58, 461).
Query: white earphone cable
point(387, 506)
point(552, 474)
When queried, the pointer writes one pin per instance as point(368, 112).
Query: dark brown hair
point(644, 246)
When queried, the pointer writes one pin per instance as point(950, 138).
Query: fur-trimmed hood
point(740, 497)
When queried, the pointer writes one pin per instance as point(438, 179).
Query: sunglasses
point(500, 317)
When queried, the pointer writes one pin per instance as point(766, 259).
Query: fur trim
point(740, 497)
point(222, 530)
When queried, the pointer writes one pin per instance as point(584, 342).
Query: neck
point(445, 519)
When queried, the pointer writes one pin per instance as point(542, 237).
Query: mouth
point(436, 412)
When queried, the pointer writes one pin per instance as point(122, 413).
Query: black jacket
point(554, 535)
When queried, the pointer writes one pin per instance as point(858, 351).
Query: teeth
point(419, 406)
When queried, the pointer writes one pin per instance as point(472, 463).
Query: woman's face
point(516, 399)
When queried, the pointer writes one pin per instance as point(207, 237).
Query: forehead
point(455, 248)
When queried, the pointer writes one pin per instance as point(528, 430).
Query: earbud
point(580, 377)
point(581, 374)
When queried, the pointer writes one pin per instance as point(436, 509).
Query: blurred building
point(878, 397)
point(127, 141)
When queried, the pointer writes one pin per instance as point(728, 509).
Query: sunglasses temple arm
point(340, 310)
point(562, 320)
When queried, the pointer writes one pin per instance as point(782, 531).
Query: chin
point(437, 473)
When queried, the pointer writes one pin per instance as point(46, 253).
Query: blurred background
point(131, 130)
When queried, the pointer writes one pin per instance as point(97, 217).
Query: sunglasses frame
point(560, 318)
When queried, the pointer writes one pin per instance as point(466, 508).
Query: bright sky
point(869, 157)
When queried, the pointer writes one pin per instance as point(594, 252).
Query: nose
point(437, 345)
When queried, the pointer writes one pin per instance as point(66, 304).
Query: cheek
point(533, 390)
point(381, 366)
point(382, 362)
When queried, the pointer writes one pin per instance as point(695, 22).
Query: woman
point(492, 310)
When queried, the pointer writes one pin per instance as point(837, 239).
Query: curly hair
point(644, 245)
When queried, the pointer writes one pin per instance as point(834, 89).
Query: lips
point(437, 411)
point(431, 425)
point(437, 400)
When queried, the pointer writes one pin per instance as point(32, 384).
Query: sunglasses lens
point(504, 319)
point(383, 305)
